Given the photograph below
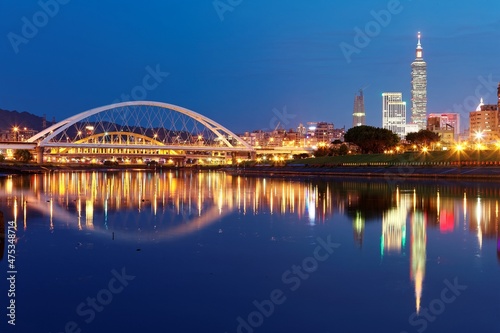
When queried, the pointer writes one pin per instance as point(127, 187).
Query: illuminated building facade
point(444, 122)
point(321, 132)
point(419, 88)
point(358, 115)
point(394, 113)
point(17, 133)
point(484, 121)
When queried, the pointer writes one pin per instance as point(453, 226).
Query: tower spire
point(419, 46)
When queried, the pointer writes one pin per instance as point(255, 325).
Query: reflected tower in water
point(418, 254)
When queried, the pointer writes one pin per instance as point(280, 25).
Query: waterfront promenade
point(385, 171)
point(436, 165)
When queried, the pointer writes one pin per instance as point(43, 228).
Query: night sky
point(246, 63)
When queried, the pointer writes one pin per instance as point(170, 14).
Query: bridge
point(142, 131)
point(136, 130)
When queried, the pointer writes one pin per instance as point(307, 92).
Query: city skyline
point(301, 62)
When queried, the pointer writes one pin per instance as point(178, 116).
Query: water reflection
point(163, 206)
point(85, 201)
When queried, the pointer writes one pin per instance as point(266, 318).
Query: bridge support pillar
point(39, 154)
point(181, 162)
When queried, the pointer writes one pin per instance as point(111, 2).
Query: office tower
point(358, 115)
point(394, 113)
point(419, 88)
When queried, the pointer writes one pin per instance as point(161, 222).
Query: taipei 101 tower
point(419, 88)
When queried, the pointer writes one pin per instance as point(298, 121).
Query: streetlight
point(16, 133)
point(425, 150)
point(459, 149)
point(479, 137)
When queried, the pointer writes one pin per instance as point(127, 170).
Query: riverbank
point(387, 172)
point(31, 168)
point(470, 172)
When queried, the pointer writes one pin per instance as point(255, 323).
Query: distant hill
point(8, 119)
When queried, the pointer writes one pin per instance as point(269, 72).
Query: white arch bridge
point(139, 130)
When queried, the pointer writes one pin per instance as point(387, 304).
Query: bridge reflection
point(84, 200)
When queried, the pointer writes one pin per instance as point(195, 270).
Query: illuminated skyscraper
point(358, 115)
point(419, 88)
point(394, 113)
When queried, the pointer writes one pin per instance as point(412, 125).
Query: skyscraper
point(358, 115)
point(419, 88)
point(394, 113)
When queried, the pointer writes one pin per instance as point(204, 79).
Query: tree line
point(375, 140)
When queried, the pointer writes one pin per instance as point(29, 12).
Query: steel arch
point(44, 137)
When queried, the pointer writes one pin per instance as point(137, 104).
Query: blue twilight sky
point(246, 63)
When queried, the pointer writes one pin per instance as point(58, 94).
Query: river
point(181, 251)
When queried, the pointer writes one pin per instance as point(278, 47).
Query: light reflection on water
point(191, 199)
point(169, 205)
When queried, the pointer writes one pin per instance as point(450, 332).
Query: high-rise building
point(358, 115)
point(419, 88)
point(394, 113)
point(483, 123)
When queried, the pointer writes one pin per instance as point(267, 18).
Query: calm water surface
point(210, 252)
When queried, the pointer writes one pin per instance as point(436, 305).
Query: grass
point(464, 157)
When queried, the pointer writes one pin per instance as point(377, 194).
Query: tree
point(322, 151)
point(423, 137)
point(343, 150)
point(2, 158)
point(371, 139)
point(23, 155)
